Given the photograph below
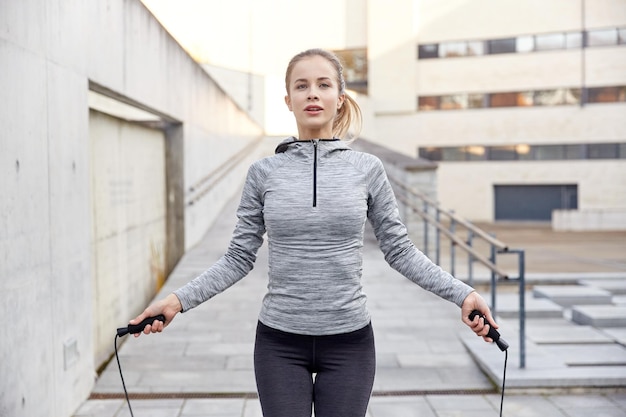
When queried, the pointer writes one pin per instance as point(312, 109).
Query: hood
point(292, 144)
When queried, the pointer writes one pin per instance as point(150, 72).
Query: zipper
point(315, 141)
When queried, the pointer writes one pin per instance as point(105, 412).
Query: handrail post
point(426, 251)
point(492, 258)
point(470, 257)
point(452, 251)
point(438, 238)
point(522, 310)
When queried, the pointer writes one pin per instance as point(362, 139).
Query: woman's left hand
point(475, 302)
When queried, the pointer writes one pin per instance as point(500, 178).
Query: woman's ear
point(288, 102)
point(342, 98)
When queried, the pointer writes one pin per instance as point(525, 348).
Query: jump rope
point(138, 328)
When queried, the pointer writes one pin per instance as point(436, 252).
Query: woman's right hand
point(168, 306)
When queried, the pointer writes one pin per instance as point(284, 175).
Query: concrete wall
point(51, 53)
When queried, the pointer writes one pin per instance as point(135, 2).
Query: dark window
point(428, 51)
point(453, 154)
point(574, 151)
point(602, 150)
point(428, 103)
point(549, 152)
point(603, 95)
point(433, 154)
point(622, 150)
point(501, 46)
point(502, 153)
point(621, 34)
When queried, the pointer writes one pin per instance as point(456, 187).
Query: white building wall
point(49, 53)
point(397, 78)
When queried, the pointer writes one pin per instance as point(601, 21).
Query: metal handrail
point(496, 247)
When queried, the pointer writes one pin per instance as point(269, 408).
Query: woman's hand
point(168, 306)
point(475, 302)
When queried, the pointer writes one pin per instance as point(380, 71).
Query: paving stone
point(567, 334)
point(569, 295)
point(600, 316)
point(618, 334)
point(583, 355)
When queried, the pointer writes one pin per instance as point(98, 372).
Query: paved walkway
point(429, 363)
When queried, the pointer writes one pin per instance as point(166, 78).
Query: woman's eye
point(300, 86)
point(324, 85)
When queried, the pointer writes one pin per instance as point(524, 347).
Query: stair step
point(570, 295)
point(614, 286)
point(600, 316)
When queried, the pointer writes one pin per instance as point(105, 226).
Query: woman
point(314, 343)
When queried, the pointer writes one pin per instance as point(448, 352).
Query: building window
point(524, 43)
point(476, 101)
point(452, 49)
point(574, 151)
point(602, 37)
point(433, 154)
point(428, 51)
point(501, 46)
point(602, 150)
point(561, 96)
point(550, 41)
point(556, 97)
point(453, 102)
point(502, 153)
point(478, 47)
point(603, 94)
point(573, 40)
point(428, 103)
point(516, 99)
point(525, 152)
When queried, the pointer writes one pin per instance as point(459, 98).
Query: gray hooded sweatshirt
point(313, 198)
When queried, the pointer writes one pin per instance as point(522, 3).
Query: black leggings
point(343, 364)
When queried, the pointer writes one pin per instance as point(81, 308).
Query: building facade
point(522, 104)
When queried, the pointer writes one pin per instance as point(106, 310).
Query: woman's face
point(313, 97)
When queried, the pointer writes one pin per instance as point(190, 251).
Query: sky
point(252, 35)
point(258, 36)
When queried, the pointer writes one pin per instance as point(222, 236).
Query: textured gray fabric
point(315, 251)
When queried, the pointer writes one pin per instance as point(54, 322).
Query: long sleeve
point(240, 256)
point(399, 251)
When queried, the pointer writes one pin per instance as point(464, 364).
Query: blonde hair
point(349, 114)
